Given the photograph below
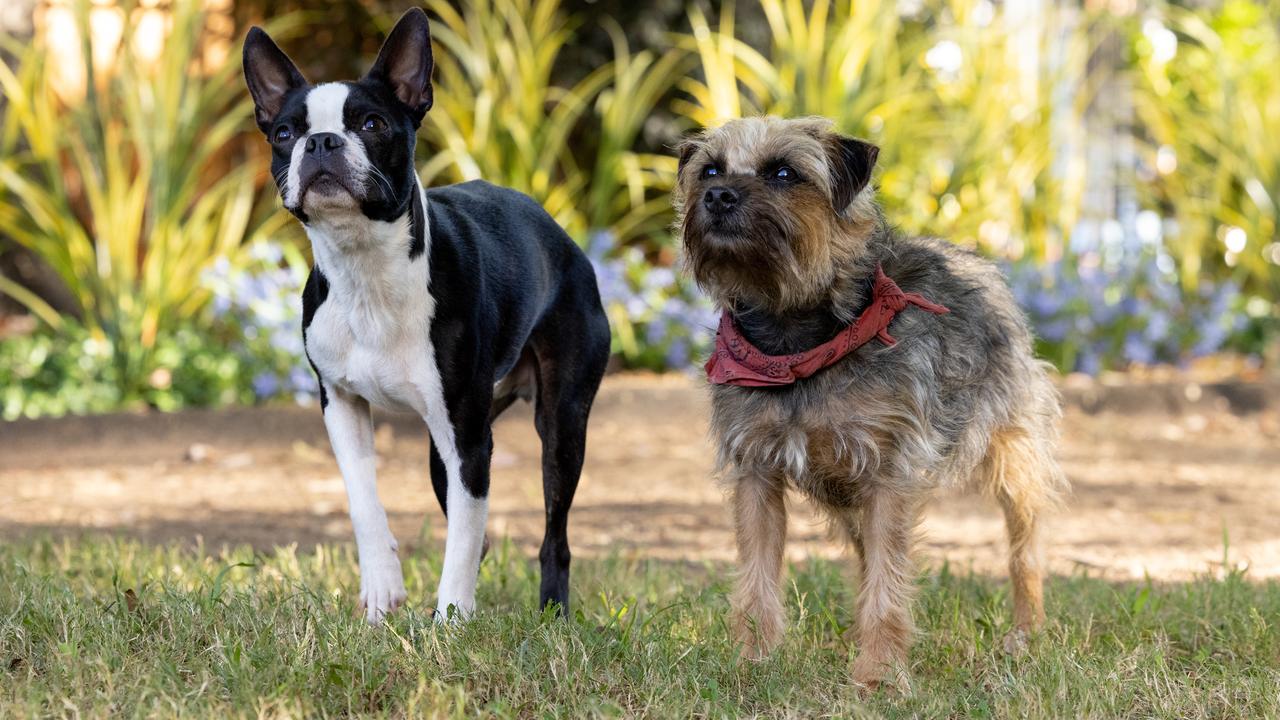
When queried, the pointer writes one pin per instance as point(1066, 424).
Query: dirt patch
point(1157, 484)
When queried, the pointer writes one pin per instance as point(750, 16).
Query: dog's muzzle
point(323, 165)
point(721, 200)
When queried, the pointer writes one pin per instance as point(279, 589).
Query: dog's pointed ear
point(405, 63)
point(270, 75)
point(851, 163)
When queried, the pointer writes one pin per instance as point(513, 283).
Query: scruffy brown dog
point(810, 389)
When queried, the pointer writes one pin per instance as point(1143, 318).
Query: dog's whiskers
point(377, 175)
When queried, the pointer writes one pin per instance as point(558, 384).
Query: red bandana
point(735, 361)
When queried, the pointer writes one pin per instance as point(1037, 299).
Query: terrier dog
point(863, 368)
point(447, 303)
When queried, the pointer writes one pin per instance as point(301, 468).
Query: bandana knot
point(735, 361)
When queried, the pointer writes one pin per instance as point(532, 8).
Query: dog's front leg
point(465, 455)
point(760, 526)
point(346, 417)
point(885, 533)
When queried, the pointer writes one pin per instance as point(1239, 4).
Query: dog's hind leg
point(569, 373)
point(1020, 473)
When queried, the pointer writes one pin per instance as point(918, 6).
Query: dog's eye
point(785, 173)
point(373, 123)
point(283, 134)
point(710, 171)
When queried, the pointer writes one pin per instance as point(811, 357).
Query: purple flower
point(288, 340)
point(1046, 303)
point(656, 331)
point(267, 252)
point(612, 281)
point(636, 307)
point(677, 354)
point(659, 278)
point(1085, 238)
point(1088, 363)
point(1053, 330)
point(265, 385)
point(1212, 337)
point(1157, 326)
point(1137, 350)
point(599, 244)
point(302, 379)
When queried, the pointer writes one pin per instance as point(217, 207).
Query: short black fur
point(852, 163)
point(313, 295)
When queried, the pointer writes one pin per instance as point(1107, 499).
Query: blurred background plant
point(1209, 117)
point(123, 178)
point(141, 185)
point(257, 309)
point(1094, 311)
point(500, 115)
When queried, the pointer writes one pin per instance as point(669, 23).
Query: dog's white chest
point(388, 361)
point(371, 335)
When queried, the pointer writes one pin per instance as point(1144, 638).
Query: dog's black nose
point(720, 199)
point(324, 143)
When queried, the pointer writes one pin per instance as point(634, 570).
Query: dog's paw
point(454, 610)
point(758, 636)
point(871, 676)
point(1016, 641)
point(381, 588)
point(893, 687)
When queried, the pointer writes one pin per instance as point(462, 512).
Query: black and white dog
point(448, 303)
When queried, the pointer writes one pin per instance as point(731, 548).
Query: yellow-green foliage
point(128, 194)
point(966, 150)
point(497, 116)
point(1212, 113)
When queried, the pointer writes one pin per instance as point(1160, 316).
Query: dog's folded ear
point(851, 163)
point(270, 75)
point(405, 63)
point(685, 149)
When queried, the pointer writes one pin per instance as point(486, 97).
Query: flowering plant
point(258, 303)
point(660, 321)
point(1115, 299)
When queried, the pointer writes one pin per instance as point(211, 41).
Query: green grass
point(105, 627)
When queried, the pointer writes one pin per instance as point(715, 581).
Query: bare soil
point(1162, 474)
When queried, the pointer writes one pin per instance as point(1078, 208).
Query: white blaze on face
point(324, 108)
point(325, 104)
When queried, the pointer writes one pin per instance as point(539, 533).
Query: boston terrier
point(449, 303)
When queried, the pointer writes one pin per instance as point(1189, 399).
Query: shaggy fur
point(960, 400)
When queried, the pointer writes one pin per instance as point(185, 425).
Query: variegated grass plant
point(1207, 102)
point(128, 192)
point(963, 120)
point(499, 116)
